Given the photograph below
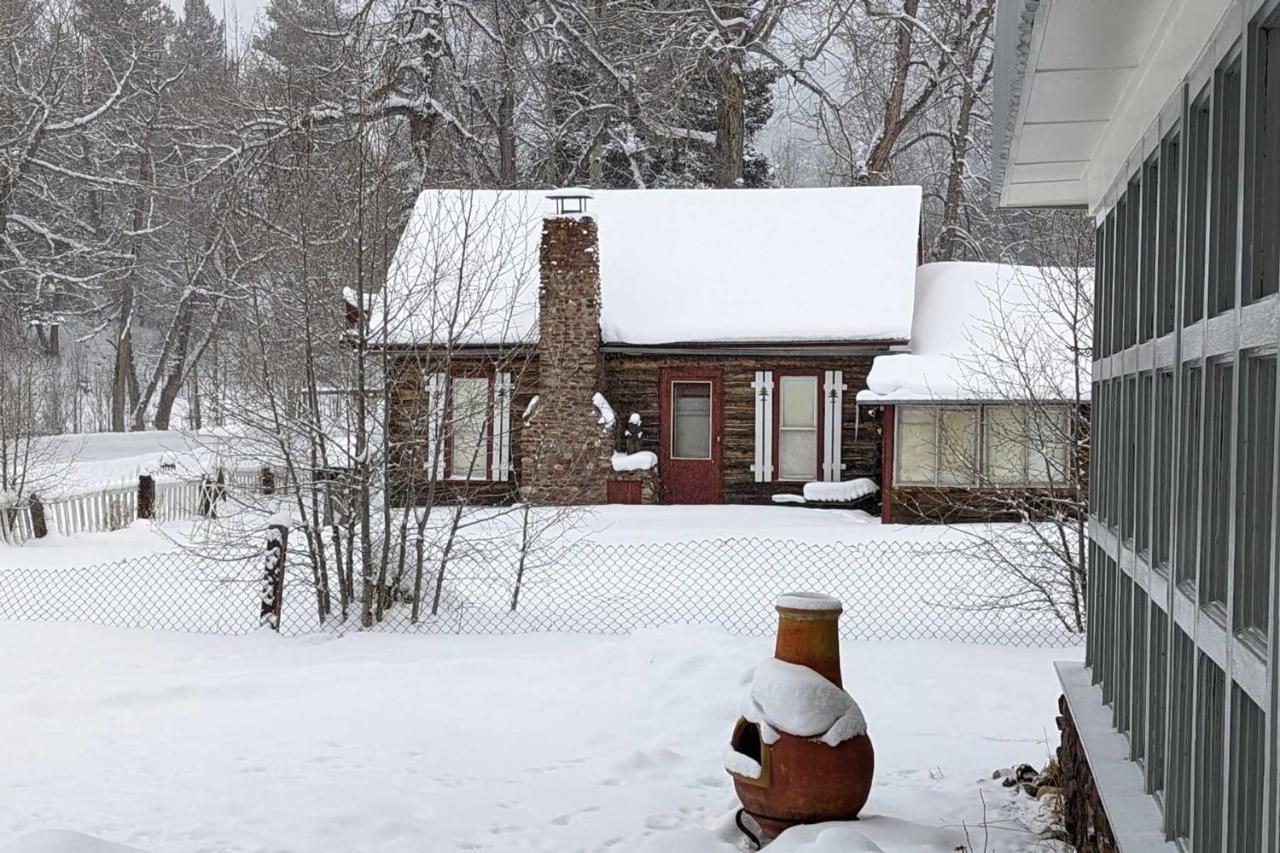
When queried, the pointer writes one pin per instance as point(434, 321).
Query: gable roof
point(676, 266)
point(984, 331)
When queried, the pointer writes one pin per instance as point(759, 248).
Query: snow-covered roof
point(676, 266)
point(985, 331)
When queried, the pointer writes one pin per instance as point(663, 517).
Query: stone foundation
point(1083, 816)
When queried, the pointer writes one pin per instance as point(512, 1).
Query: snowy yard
point(169, 742)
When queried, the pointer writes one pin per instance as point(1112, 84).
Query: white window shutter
point(762, 388)
point(833, 406)
point(500, 461)
point(437, 387)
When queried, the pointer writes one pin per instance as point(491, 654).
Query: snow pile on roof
point(676, 266)
point(787, 697)
point(850, 490)
point(986, 332)
point(641, 461)
point(465, 271)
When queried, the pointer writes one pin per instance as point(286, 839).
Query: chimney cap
point(570, 200)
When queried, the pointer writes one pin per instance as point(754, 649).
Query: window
point(1197, 195)
point(1253, 520)
point(1100, 303)
point(1184, 557)
point(1157, 698)
point(1162, 473)
point(917, 444)
point(1226, 189)
point(1167, 267)
point(1111, 282)
point(468, 427)
point(1147, 249)
point(1207, 837)
point(1132, 212)
point(691, 420)
point(1122, 654)
point(798, 428)
point(1138, 655)
point(1129, 457)
point(1008, 443)
point(1264, 120)
point(1177, 808)
point(957, 445)
point(1142, 464)
point(1215, 550)
point(1248, 755)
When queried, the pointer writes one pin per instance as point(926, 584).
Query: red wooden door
point(691, 443)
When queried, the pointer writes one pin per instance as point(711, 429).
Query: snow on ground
point(76, 463)
point(170, 742)
point(90, 549)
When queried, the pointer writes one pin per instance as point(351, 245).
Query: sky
point(244, 10)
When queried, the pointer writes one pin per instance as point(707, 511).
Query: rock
point(1026, 773)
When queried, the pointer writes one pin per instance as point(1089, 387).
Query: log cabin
point(643, 346)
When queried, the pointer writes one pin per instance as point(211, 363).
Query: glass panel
point(799, 402)
point(798, 428)
point(916, 440)
point(957, 438)
point(691, 421)
point(798, 454)
point(467, 428)
point(1006, 444)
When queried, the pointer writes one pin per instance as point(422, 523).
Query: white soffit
point(1086, 59)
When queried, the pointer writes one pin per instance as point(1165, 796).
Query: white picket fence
point(114, 508)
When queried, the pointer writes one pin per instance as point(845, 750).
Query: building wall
point(632, 385)
point(1182, 581)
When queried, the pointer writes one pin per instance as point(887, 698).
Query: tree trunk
point(730, 123)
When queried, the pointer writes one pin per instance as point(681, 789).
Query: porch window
point(798, 428)
point(1005, 444)
point(468, 427)
point(691, 421)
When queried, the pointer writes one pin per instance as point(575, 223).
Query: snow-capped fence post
point(146, 496)
point(39, 527)
point(273, 573)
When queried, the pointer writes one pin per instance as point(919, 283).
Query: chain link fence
point(891, 590)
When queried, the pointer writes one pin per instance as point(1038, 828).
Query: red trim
point(469, 372)
point(819, 400)
point(886, 467)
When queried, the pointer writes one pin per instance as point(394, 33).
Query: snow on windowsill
point(607, 417)
point(641, 461)
point(850, 490)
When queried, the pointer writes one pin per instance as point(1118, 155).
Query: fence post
point(39, 527)
point(273, 574)
point(146, 496)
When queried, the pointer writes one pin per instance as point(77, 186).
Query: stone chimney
point(565, 449)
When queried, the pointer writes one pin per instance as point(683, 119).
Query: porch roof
point(676, 266)
point(986, 331)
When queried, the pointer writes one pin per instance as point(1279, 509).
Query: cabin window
point(798, 428)
point(468, 427)
point(691, 420)
point(995, 445)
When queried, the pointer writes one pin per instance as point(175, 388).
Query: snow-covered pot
point(800, 752)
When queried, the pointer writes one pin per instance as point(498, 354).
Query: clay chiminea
point(800, 752)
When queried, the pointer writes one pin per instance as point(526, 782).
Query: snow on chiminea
point(800, 751)
point(566, 453)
